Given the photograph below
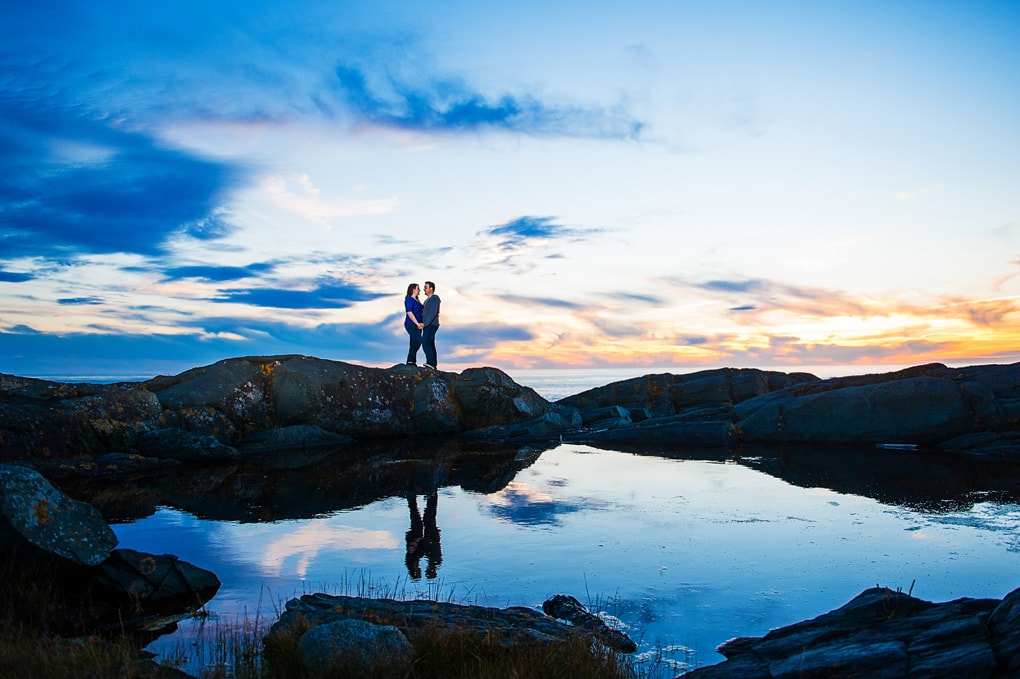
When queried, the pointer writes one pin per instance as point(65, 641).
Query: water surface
point(684, 553)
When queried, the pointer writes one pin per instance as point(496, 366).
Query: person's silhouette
point(423, 537)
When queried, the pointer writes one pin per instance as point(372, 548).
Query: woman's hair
point(410, 289)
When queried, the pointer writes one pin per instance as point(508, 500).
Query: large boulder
point(355, 647)
point(35, 514)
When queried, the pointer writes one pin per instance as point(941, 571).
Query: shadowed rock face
point(214, 412)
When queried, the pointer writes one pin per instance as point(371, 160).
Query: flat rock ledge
point(513, 625)
point(888, 634)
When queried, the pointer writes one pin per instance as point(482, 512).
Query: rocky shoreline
point(257, 405)
point(204, 440)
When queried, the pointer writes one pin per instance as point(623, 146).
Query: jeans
point(412, 351)
point(428, 343)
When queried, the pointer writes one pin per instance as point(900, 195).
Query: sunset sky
point(590, 184)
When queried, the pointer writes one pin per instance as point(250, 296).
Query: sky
point(600, 184)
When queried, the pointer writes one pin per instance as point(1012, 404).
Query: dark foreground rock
point(882, 633)
point(62, 547)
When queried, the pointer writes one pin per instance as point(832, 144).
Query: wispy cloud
point(219, 273)
point(439, 103)
point(326, 295)
point(14, 276)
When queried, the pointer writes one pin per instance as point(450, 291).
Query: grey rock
point(434, 409)
point(32, 511)
point(971, 411)
point(612, 413)
point(356, 647)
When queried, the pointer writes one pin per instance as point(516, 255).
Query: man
point(430, 319)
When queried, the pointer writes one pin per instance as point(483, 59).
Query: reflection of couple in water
point(423, 538)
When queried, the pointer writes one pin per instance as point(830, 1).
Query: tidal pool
point(683, 553)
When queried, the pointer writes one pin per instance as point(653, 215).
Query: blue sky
point(589, 184)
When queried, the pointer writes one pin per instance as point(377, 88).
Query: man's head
point(429, 288)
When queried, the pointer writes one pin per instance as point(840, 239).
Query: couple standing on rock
point(421, 321)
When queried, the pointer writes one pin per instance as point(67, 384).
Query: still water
point(683, 552)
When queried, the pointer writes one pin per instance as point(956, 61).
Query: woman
point(412, 322)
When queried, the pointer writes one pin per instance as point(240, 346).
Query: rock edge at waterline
point(264, 405)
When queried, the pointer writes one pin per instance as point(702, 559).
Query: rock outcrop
point(973, 411)
point(882, 633)
point(222, 411)
point(263, 404)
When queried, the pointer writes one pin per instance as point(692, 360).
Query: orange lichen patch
point(147, 566)
point(267, 368)
point(41, 509)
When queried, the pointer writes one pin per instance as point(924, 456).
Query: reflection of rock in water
point(423, 538)
point(928, 480)
point(260, 490)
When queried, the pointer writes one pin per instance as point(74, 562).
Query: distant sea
point(556, 383)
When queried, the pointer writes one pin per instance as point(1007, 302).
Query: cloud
point(128, 194)
point(527, 230)
point(541, 301)
point(218, 273)
point(14, 277)
point(761, 296)
point(79, 301)
point(327, 295)
point(447, 104)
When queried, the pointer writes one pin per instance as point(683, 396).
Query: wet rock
point(566, 607)
point(33, 512)
point(882, 633)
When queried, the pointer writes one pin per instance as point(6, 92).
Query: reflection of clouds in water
point(1000, 519)
point(522, 504)
point(305, 542)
